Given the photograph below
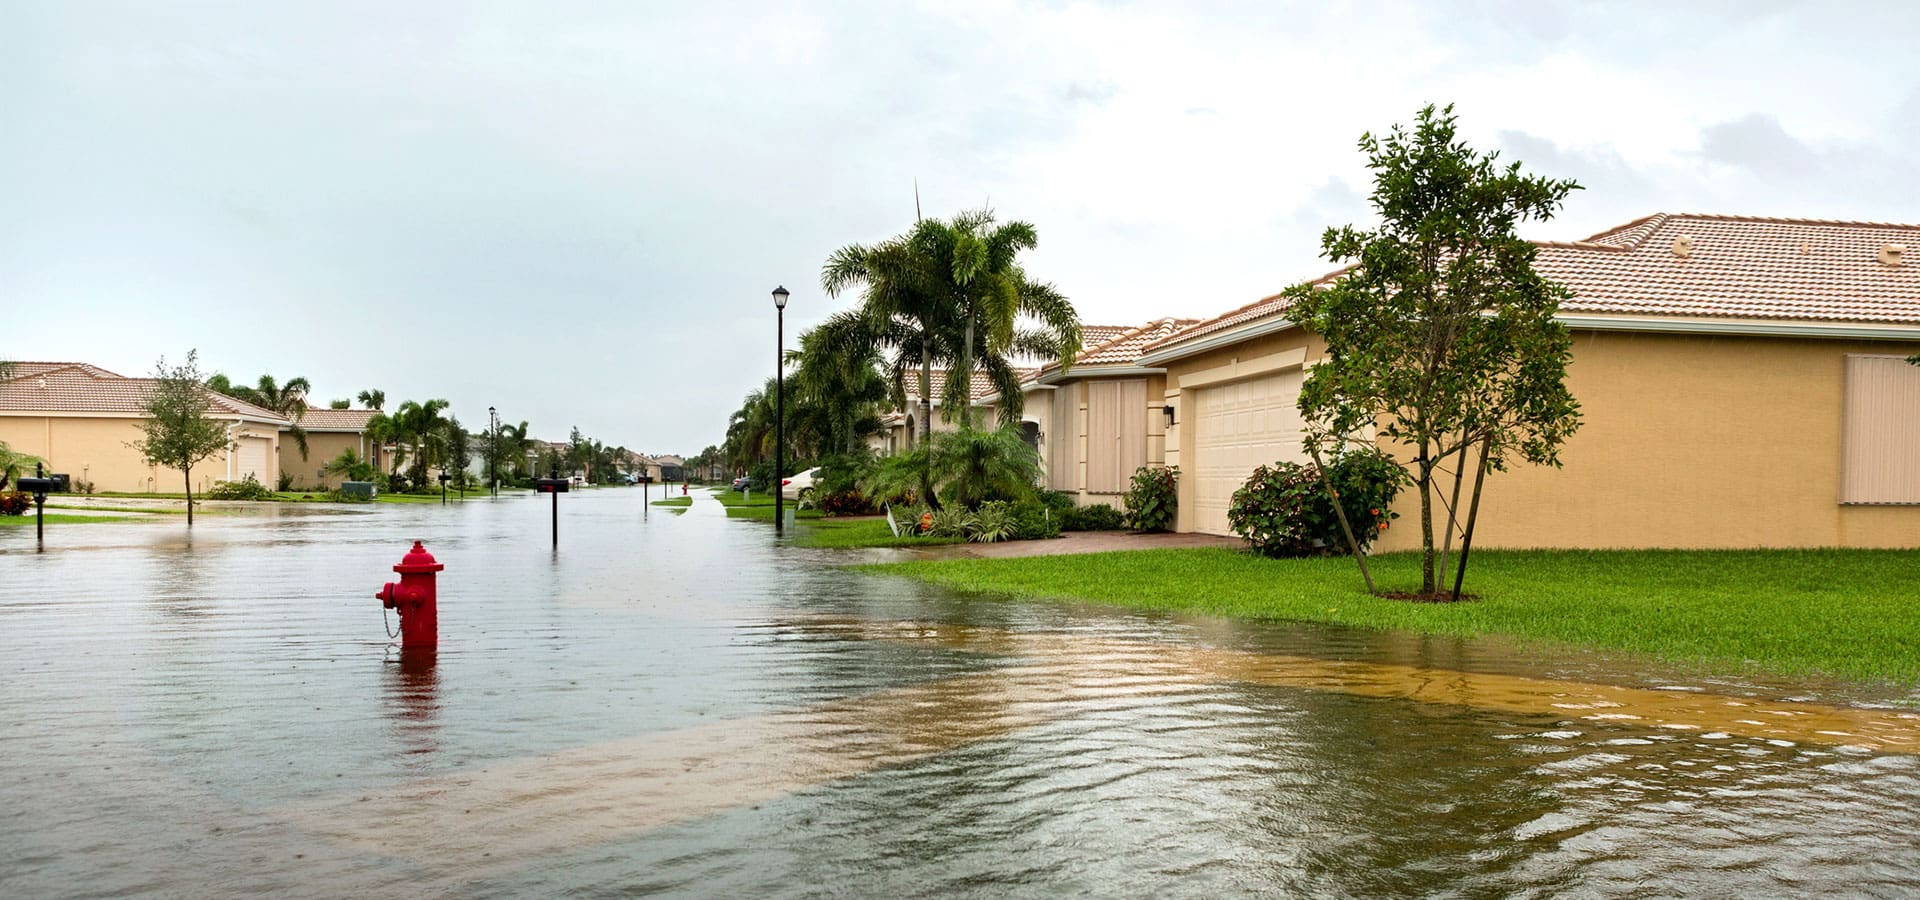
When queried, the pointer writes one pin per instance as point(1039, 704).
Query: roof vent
point(1890, 254)
point(1806, 247)
point(43, 382)
point(1683, 246)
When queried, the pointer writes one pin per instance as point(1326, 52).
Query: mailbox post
point(556, 486)
point(444, 478)
point(38, 485)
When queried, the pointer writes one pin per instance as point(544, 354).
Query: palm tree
point(418, 423)
point(379, 428)
point(837, 384)
point(513, 445)
point(374, 399)
point(977, 268)
point(289, 400)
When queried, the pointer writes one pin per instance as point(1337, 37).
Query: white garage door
point(251, 458)
point(1237, 427)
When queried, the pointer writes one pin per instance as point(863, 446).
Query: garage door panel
point(1238, 427)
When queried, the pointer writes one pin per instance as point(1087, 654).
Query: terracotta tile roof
point(337, 419)
point(1742, 267)
point(83, 388)
point(25, 368)
point(1124, 347)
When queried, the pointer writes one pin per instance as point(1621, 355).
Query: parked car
point(740, 484)
point(799, 486)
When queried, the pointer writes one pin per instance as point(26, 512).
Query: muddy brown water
point(675, 704)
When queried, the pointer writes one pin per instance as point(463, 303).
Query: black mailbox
point(644, 479)
point(39, 487)
point(552, 485)
point(444, 478)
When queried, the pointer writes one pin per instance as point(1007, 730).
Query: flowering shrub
point(845, 503)
point(1151, 501)
point(15, 503)
point(1284, 510)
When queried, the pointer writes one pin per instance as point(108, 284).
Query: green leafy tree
point(1441, 334)
point(514, 444)
point(178, 433)
point(456, 454)
point(339, 404)
point(838, 385)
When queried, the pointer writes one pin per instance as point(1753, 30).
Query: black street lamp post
point(493, 449)
point(779, 406)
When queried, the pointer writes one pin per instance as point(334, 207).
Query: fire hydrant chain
point(414, 598)
point(387, 623)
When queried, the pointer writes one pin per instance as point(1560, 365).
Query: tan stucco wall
point(1688, 442)
point(1692, 442)
point(97, 449)
point(322, 448)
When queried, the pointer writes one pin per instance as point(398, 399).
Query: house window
point(1116, 433)
point(1880, 447)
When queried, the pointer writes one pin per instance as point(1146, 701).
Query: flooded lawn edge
point(1783, 613)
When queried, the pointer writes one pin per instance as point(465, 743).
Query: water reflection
point(412, 697)
point(677, 705)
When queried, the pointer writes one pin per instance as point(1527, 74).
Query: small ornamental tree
point(1440, 334)
point(178, 433)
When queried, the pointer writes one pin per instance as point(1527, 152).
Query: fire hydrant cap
point(418, 560)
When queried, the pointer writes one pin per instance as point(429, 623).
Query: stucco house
point(1098, 420)
point(83, 420)
point(329, 431)
point(1742, 380)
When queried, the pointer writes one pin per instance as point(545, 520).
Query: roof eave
point(1215, 341)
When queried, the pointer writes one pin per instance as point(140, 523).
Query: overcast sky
point(576, 212)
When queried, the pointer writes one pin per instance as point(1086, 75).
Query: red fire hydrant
point(415, 597)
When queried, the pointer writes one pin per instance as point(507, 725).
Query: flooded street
point(674, 704)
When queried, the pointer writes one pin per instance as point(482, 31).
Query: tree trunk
point(1466, 540)
point(966, 374)
point(926, 424)
point(1340, 512)
point(1453, 506)
point(1426, 522)
point(188, 473)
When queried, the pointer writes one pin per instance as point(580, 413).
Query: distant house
point(1098, 420)
point(329, 432)
point(672, 468)
point(82, 420)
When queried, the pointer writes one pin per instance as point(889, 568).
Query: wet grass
point(675, 501)
point(862, 532)
point(64, 519)
point(1848, 613)
point(760, 506)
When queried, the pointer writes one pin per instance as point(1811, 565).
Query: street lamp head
point(490, 410)
point(780, 298)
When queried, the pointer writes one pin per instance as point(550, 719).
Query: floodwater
point(676, 704)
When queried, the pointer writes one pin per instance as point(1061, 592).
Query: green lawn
point(1850, 613)
point(760, 507)
point(863, 532)
point(63, 519)
point(675, 501)
point(144, 510)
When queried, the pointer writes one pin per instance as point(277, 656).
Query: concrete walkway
point(1078, 542)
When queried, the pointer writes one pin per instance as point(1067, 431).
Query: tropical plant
point(972, 265)
point(1440, 333)
point(373, 398)
point(949, 522)
point(178, 434)
point(13, 465)
point(339, 404)
point(837, 387)
point(1152, 498)
point(289, 400)
point(422, 426)
point(972, 467)
point(15, 503)
point(351, 467)
point(993, 521)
